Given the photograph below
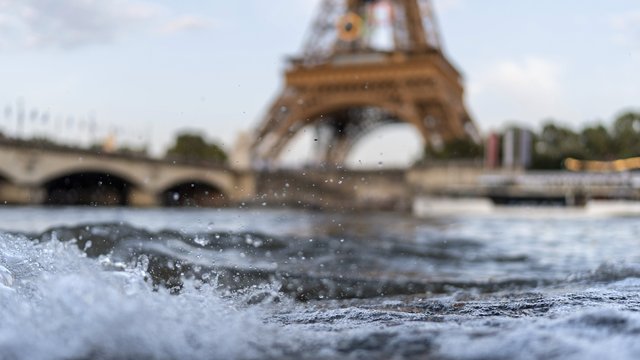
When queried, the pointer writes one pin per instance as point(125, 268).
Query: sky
point(147, 69)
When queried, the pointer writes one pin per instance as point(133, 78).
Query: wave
point(306, 268)
point(111, 291)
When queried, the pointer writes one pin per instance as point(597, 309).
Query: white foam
point(6, 278)
point(66, 306)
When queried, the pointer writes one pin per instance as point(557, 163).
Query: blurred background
point(133, 74)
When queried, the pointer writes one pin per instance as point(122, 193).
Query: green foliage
point(596, 142)
point(41, 141)
point(626, 135)
point(96, 147)
point(135, 151)
point(194, 147)
point(455, 149)
point(553, 144)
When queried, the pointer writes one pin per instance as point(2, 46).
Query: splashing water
point(273, 284)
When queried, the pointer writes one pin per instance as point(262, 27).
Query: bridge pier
point(16, 194)
point(245, 187)
point(336, 190)
point(142, 198)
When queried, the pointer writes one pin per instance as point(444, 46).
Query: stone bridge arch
point(107, 169)
point(6, 188)
point(4, 177)
point(45, 173)
point(29, 170)
point(190, 188)
point(87, 187)
point(193, 193)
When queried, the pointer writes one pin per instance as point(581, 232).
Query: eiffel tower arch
point(348, 82)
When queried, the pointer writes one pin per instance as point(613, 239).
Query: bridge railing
point(59, 148)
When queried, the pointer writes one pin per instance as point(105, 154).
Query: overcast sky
point(149, 68)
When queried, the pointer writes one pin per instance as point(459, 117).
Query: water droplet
point(201, 241)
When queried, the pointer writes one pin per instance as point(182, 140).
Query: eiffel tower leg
point(277, 127)
point(412, 114)
point(283, 134)
point(281, 110)
point(337, 151)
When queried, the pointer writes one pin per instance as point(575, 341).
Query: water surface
point(201, 284)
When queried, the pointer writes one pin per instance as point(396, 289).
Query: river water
point(120, 283)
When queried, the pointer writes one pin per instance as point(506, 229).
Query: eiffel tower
point(366, 64)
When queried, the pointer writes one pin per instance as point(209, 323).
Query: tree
point(626, 135)
point(454, 149)
point(132, 150)
point(190, 146)
point(597, 143)
point(554, 144)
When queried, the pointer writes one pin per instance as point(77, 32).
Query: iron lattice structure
point(350, 81)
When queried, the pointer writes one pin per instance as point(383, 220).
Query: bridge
point(54, 175)
point(70, 176)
